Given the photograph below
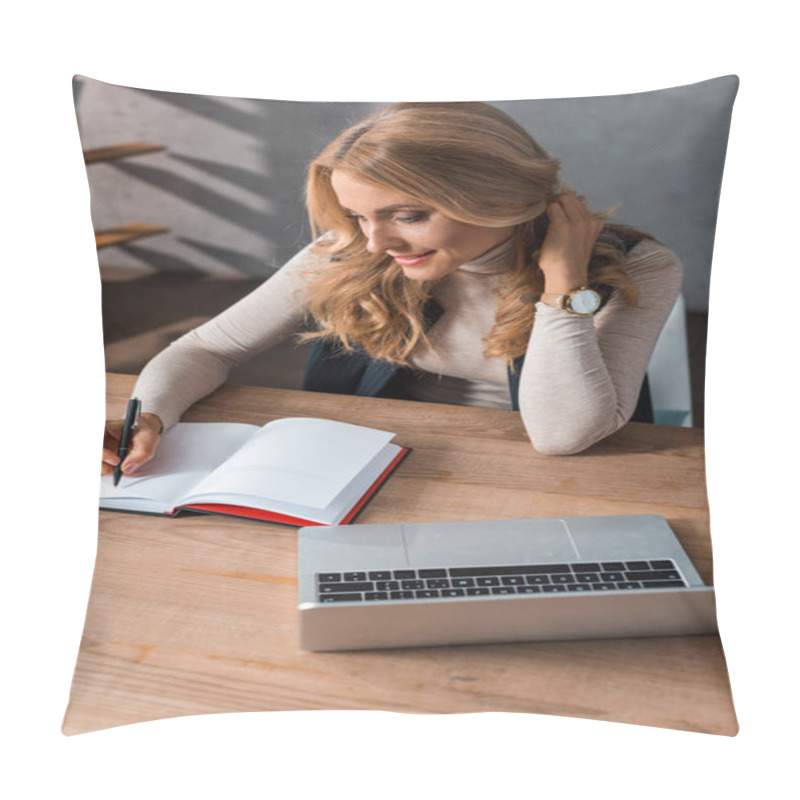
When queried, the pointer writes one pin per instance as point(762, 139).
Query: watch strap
point(553, 299)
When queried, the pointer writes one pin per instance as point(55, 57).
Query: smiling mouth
point(412, 260)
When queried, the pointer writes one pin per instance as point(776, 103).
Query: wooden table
point(197, 614)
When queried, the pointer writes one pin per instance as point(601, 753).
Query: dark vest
point(328, 369)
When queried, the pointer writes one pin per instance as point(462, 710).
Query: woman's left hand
point(568, 244)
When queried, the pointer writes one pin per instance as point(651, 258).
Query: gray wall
point(229, 185)
point(657, 156)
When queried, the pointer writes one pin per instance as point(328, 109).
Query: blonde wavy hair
point(472, 163)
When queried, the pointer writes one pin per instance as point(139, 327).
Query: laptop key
point(612, 576)
point(580, 587)
point(487, 581)
point(539, 569)
point(387, 586)
point(661, 584)
point(350, 586)
point(613, 566)
point(529, 589)
point(407, 595)
point(637, 565)
point(382, 575)
point(453, 593)
point(591, 566)
point(376, 595)
point(653, 575)
point(355, 576)
point(502, 590)
point(588, 577)
point(463, 583)
point(426, 594)
point(412, 584)
point(603, 587)
point(438, 583)
point(666, 564)
point(432, 573)
point(563, 579)
point(341, 598)
point(537, 579)
point(404, 574)
point(478, 590)
point(554, 588)
point(330, 577)
point(473, 572)
point(629, 585)
point(513, 580)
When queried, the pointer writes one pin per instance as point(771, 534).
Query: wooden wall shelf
point(117, 151)
point(126, 233)
point(132, 230)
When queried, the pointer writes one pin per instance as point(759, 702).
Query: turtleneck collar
point(493, 261)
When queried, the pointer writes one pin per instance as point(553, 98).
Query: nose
point(379, 239)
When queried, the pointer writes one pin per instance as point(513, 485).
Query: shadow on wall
point(229, 184)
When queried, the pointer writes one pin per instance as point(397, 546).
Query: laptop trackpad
point(517, 542)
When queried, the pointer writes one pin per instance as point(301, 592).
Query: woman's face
point(424, 242)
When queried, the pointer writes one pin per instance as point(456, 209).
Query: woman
point(448, 265)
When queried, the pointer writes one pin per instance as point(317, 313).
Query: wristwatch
point(583, 301)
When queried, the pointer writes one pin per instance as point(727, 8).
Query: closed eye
point(412, 218)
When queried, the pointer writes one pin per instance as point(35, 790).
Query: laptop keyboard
point(461, 582)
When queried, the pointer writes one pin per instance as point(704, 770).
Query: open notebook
point(298, 471)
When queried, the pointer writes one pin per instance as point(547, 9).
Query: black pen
point(128, 427)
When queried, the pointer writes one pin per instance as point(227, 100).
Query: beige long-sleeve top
point(580, 381)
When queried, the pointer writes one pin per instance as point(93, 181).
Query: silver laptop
point(442, 583)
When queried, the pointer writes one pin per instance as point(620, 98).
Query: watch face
point(584, 301)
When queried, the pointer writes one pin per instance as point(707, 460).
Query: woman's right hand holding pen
point(143, 445)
